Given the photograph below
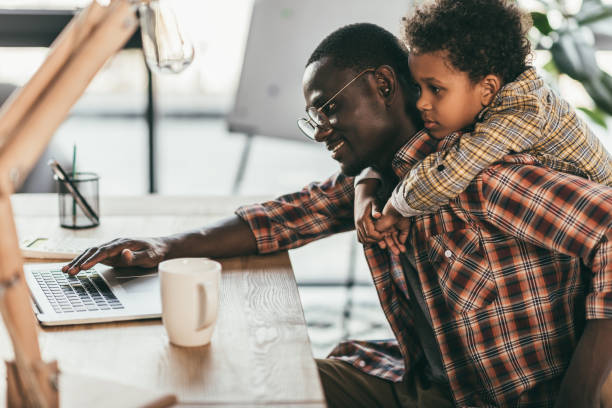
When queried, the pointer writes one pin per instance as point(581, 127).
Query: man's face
point(361, 133)
point(449, 100)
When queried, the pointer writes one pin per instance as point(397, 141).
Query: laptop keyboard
point(84, 292)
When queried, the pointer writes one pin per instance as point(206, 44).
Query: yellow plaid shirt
point(525, 116)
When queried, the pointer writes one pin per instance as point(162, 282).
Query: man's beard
point(352, 169)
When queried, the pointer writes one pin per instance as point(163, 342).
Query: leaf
point(596, 16)
point(590, 2)
point(574, 56)
point(606, 80)
point(596, 115)
point(593, 14)
point(540, 21)
point(599, 92)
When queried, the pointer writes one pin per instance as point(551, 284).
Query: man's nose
point(321, 134)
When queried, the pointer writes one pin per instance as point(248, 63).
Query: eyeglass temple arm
point(344, 87)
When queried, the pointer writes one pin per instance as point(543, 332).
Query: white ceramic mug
point(190, 299)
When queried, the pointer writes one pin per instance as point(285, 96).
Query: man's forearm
point(229, 237)
point(589, 367)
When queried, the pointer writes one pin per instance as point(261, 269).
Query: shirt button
point(440, 167)
point(362, 363)
point(448, 253)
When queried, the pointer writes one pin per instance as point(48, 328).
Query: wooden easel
point(28, 120)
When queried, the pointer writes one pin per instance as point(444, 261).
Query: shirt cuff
point(367, 173)
point(398, 202)
point(599, 306)
point(256, 217)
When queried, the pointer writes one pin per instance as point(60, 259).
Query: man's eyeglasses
point(316, 117)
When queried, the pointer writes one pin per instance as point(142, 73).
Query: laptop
point(100, 294)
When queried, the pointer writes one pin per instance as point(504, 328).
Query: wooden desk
point(260, 354)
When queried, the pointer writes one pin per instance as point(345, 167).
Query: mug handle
point(208, 305)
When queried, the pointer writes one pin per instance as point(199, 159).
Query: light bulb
point(165, 47)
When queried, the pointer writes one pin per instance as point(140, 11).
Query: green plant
point(568, 29)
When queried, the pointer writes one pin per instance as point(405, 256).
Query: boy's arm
point(442, 176)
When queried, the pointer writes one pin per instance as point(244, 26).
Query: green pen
point(74, 151)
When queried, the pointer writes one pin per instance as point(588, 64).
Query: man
point(489, 306)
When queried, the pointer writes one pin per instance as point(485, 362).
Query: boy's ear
point(489, 86)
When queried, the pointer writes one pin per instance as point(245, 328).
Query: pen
point(73, 180)
point(80, 200)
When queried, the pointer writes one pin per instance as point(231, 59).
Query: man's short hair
point(364, 45)
point(481, 37)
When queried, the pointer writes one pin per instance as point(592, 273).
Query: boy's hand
point(395, 228)
point(388, 219)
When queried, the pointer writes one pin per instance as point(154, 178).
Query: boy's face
point(449, 100)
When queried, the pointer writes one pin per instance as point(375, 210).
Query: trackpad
point(136, 280)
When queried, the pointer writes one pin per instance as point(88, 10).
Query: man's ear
point(489, 86)
point(386, 83)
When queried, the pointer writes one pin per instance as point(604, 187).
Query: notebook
point(100, 294)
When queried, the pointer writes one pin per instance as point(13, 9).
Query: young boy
point(468, 59)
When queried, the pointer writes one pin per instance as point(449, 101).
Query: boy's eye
point(435, 89)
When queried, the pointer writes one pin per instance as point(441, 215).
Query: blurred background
point(194, 153)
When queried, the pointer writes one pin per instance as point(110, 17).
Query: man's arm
point(590, 366)
point(229, 237)
point(289, 221)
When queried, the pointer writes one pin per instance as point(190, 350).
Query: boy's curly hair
point(481, 37)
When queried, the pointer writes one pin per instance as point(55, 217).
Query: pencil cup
point(70, 213)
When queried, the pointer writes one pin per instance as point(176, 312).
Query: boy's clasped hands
point(387, 228)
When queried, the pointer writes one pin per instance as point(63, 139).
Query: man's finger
point(400, 246)
point(103, 253)
point(391, 245)
point(147, 257)
point(363, 238)
point(76, 262)
point(403, 236)
point(371, 232)
point(376, 211)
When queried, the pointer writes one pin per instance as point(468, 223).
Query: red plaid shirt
point(510, 270)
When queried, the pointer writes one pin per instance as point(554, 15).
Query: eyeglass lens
point(317, 119)
point(306, 127)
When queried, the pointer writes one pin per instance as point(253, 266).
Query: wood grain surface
point(260, 353)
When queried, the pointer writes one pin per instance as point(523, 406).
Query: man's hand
point(589, 367)
point(122, 252)
point(366, 210)
point(364, 222)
